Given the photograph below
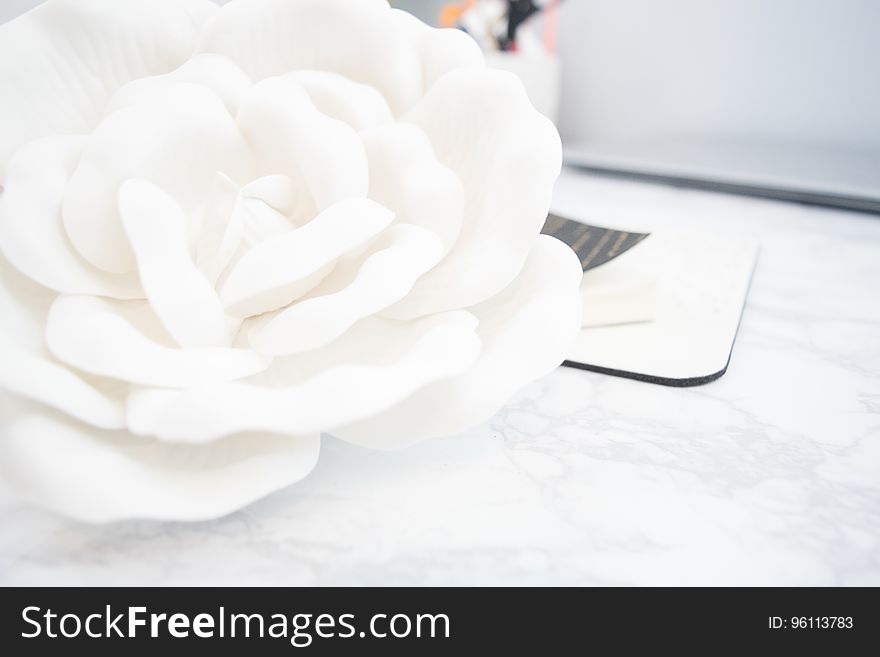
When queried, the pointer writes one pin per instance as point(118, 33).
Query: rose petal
point(221, 229)
point(184, 300)
point(290, 136)
point(278, 191)
point(406, 177)
point(98, 403)
point(29, 371)
point(508, 157)
point(235, 220)
point(32, 235)
point(60, 62)
point(526, 331)
point(358, 105)
point(214, 72)
point(118, 340)
point(370, 368)
point(280, 269)
point(359, 289)
point(355, 39)
point(101, 476)
point(439, 51)
point(178, 140)
point(199, 10)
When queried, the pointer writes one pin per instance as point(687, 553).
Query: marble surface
point(769, 476)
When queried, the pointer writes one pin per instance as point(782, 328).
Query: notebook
point(664, 310)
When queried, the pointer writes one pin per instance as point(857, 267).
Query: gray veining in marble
point(769, 476)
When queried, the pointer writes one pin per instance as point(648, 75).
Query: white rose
point(227, 230)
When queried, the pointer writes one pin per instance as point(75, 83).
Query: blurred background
point(796, 70)
point(778, 98)
point(774, 98)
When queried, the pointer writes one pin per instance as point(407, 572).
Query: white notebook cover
point(702, 283)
